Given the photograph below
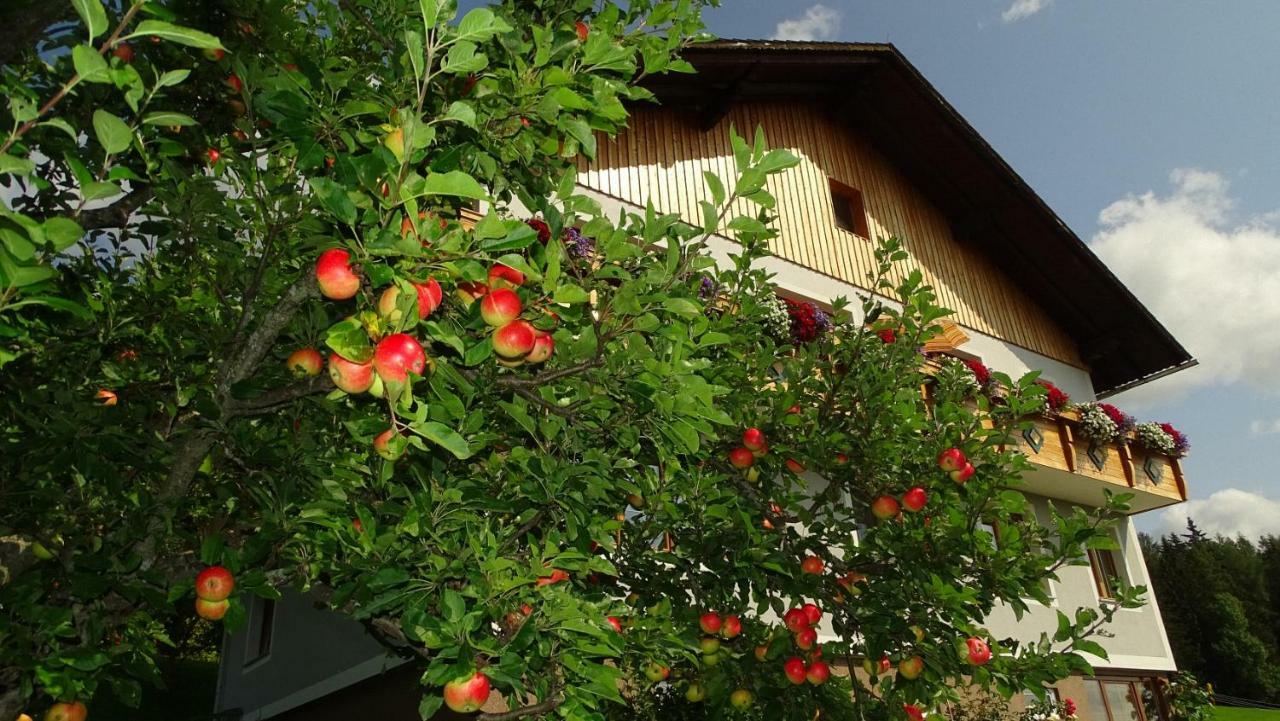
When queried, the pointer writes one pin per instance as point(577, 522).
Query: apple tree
point(303, 295)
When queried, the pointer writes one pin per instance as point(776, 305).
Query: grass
point(1230, 713)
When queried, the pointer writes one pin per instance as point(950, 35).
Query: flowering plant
point(540, 225)
point(808, 321)
point(575, 243)
point(1181, 445)
point(1097, 424)
point(777, 321)
point(1124, 422)
point(1050, 710)
point(1056, 399)
point(1154, 438)
point(954, 373)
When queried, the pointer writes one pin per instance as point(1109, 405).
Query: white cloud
point(1023, 9)
point(1213, 281)
point(1230, 512)
point(1265, 428)
point(819, 22)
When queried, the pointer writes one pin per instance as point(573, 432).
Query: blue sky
point(1153, 128)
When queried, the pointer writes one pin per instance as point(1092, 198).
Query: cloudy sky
point(1153, 129)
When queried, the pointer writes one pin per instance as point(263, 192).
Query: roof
point(879, 93)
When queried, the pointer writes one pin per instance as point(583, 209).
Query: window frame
point(1133, 693)
point(855, 204)
point(1105, 587)
point(260, 636)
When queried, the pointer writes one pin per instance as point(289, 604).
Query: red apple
point(514, 340)
point(960, 475)
point(740, 698)
point(235, 83)
point(753, 439)
point(212, 155)
point(710, 622)
point(350, 376)
point(795, 466)
point(581, 29)
point(124, 52)
point(335, 276)
point(732, 627)
point(397, 355)
point(741, 458)
point(214, 583)
point(65, 711)
point(500, 307)
point(615, 622)
point(884, 508)
point(795, 670)
point(467, 694)
point(656, 672)
point(812, 613)
point(818, 673)
point(762, 652)
point(382, 445)
point(914, 499)
point(501, 276)
point(305, 362)
point(978, 651)
point(806, 639)
point(429, 297)
point(469, 292)
point(795, 620)
point(951, 459)
point(214, 54)
point(811, 564)
point(543, 346)
point(212, 610)
point(913, 712)
point(911, 667)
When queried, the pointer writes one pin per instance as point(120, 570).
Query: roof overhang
point(874, 89)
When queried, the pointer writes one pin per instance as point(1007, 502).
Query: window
point(850, 214)
point(262, 621)
point(1106, 572)
point(1114, 701)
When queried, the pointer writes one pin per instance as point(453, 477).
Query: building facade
point(882, 154)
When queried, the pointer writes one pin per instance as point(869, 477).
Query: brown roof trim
point(1124, 344)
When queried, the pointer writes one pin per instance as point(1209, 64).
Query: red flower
point(981, 373)
point(1058, 398)
point(1180, 443)
point(887, 336)
point(544, 230)
point(1069, 707)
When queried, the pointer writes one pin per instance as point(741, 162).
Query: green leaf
point(89, 64)
point(176, 33)
point(348, 339)
point(431, 702)
point(461, 112)
point(715, 185)
point(455, 183)
point(113, 134)
point(172, 77)
point(62, 232)
point(15, 165)
point(430, 18)
point(335, 199)
point(62, 125)
point(413, 47)
point(443, 436)
point(96, 190)
point(682, 307)
point(55, 303)
point(93, 15)
point(570, 293)
point(168, 117)
point(481, 24)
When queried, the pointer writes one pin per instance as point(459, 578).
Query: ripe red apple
point(876, 668)
point(397, 355)
point(795, 466)
point(811, 564)
point(615, 622)
point(740, 698)
point(429, 297)
point(212, 610)
point(382, 445)
point(66, 711)
point(305, 362)
point(582, 30)
point(795, 620)
point(212, 156)
point(884, 508)
point(978, 651)
point(753, 439)
point(732, 627)
point(911, 667)
point(812, 613)
point(951, 459)
point(214, 583)
point(543, 346)
point(913, 712)
point(514, 340)
point(469, 292)
point(806, 638)
point(350, 376)
point(656, 672)
point(124, 52)
point(710, 622)
point(695, 693)
point(914, 499)
point(794, 670)
point(762, 652)
point(467, 694)
point(335, 276)
point(500, 307)
point(741, 458)
point(709, 645)
point(818, 673)
point(501, 276)
point(235, 83)
point(962, 474)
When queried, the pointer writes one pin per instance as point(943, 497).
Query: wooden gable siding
point(662, 156)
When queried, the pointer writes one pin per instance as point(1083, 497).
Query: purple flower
point(707, 288)
point(578, 245)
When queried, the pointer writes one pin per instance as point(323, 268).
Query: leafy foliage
point(162, 247)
